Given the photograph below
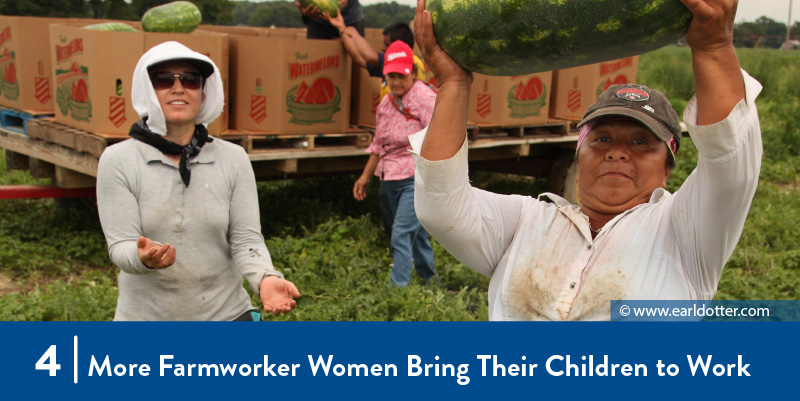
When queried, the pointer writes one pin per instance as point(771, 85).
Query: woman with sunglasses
point(179, 209)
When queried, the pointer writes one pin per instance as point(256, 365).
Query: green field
point(54, 264)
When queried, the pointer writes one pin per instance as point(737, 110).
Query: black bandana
point(141, 132)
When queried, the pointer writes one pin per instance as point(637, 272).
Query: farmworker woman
point(173, 184)
point(629, 239)
point(318, 27)
point(404, 111)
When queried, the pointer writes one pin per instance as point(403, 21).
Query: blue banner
point(387, 360)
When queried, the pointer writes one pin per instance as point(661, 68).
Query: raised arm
point(717, 73)
point(474, 225)
point(710, 209)
point(448, 127)
point(349, 37)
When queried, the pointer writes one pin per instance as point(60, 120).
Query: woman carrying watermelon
point(628, 239)
point(179, 209)
point(318, 27)
point(404, 111)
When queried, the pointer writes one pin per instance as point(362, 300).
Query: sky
point(748, 10)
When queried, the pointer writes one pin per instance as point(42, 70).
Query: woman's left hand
point(277, 295)
point(336, 21)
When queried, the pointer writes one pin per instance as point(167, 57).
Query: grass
point(334, 249)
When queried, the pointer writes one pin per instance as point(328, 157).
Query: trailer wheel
point(563, 175)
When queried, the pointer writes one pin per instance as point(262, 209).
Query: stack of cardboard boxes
point(542, 97)
point(93, 71)
point(276, 80)
point(25, 74)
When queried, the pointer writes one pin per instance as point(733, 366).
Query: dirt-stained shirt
point(540, 254)
point(393, 128)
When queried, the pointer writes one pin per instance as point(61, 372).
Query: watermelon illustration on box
point(618, 80)
point(72, 92)
point(526, 100)
point(575, 89)
point(9, 85)
point(313, 104)
point(512, 101)
point(291, 85)
point(91, 76)
point(25, 68)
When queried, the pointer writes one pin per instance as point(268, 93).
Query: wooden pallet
point(488, 131)
point(17, 120)
point(50, 131)
point(572, 126)
point(255, 142)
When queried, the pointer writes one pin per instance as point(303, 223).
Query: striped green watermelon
point(518, 37)
point(329, 6)
point(175, 17)
point(112, 26)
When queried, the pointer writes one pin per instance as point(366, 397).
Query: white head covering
point(144, 97)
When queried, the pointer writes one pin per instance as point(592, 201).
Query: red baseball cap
point(398, 58)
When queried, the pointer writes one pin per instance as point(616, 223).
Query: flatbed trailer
point(69, 156)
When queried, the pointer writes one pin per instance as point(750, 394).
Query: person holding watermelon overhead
point(406, 110)
point(366, 57)
point(628, 238)
point(318, 27)
point(178, 208)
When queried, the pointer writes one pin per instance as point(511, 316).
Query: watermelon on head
point(518, 37)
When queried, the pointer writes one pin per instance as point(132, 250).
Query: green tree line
point(763, 32)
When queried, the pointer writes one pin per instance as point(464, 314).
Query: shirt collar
point(561, 202)
point(151, 154)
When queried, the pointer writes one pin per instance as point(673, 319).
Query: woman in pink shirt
point(404, 111)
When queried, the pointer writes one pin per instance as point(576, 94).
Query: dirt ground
point(7, 286)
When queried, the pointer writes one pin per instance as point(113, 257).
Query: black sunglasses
point(165, 80)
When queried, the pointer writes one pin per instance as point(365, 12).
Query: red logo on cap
point(633, 93)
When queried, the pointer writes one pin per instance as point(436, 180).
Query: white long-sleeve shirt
point(540, 255)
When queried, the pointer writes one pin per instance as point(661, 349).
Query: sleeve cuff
point(442, 176)
point(722, 138)
point(257, 286)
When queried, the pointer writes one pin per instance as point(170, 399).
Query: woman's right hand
point(360, 188)
point(154, 255)
point(443, 67)
point(310, 11)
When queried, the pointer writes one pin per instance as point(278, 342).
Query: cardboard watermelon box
point(366, 89)
point(575, 89)
point(25, 76)
point(286, 84)
point(514, 100)
point(92, 72)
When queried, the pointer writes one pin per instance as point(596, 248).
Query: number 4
point(48, 361)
